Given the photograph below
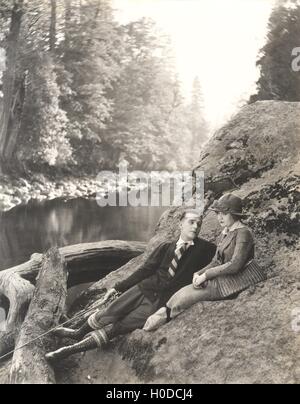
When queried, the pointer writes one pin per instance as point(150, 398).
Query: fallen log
point(29, 365)
point(19, 292)
point(85, 263)
point(7, 340)
point(96, 257)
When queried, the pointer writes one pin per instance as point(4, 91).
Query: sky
point(216, 40)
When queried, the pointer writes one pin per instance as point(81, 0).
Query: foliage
point(277, 79)
point(91, 92)
point(150, 121)
point(46, 136)
point(196, 122)
point(90, 54)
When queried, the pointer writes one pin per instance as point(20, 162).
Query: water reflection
point(39, 226)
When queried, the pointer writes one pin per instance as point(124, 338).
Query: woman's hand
point(198, 280)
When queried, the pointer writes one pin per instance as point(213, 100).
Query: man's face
point(190, 226)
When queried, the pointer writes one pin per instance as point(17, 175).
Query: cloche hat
point(229, 203)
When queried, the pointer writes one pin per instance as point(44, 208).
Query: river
point(40, 225)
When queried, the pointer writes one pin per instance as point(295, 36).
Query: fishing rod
point(93, 307)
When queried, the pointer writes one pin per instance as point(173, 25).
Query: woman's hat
point(229, 203)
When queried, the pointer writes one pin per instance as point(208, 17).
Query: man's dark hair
point(186, 211)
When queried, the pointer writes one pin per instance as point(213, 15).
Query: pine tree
point(46, 135)
point(90, 55)
point(12, 13)
point(43, 144)
point(145, 98)
point(277, 79)
point(196, 122)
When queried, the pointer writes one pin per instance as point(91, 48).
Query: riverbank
point(20, 191)
point(14, 192)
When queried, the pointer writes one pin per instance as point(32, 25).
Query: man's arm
point(214, 262)
point(145, 271)
point(211, 253)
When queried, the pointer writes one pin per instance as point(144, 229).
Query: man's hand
point(110, 293)
point(198, 280)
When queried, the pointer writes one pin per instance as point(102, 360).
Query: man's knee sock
point(84, 330)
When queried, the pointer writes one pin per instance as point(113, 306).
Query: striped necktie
point(177, 256)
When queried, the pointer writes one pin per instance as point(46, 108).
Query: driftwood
point(85, 263)
point(29, 365)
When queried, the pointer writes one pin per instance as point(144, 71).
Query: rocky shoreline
point(21, 191)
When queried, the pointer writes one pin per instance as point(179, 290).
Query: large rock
point(261, 137)
point(255, 338)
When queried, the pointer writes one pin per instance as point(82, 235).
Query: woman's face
point(225, 219)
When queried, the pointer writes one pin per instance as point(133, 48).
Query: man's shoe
point(85, 345)
point(156, 320)
point(59, 354)
point(66, 333)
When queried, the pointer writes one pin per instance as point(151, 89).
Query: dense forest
point(278, 79)
point(80, 92)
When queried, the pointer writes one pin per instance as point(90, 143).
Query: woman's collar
point(236, 225)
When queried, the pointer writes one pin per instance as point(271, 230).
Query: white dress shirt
point(181, 242)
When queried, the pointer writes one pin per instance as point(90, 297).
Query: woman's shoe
point(156, 320)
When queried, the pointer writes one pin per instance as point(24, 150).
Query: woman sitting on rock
point(231, 271)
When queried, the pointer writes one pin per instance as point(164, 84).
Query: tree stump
point(29, 365)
